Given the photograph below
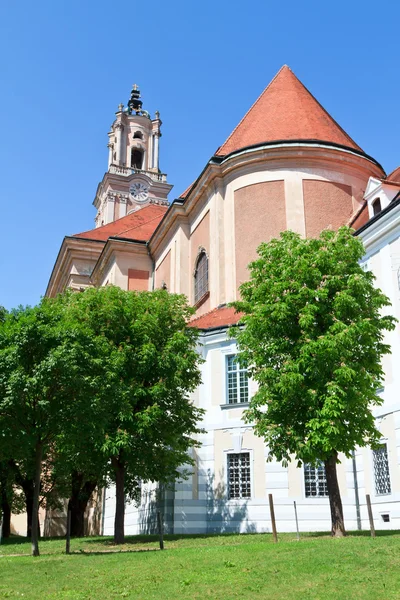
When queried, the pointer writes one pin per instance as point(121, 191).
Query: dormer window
point(138, 135)
point(376, 206)
point(201, 277)
point(136, 158)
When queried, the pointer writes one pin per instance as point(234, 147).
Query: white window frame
point(239, 370)
point(325, 497)
point(383, 442)
point(251, 459)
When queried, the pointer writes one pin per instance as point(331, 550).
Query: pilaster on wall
point(109, 210)
point(217, 246)
point(294, 202)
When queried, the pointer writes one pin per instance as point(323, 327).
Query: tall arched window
point(201, 276)
point(136, 158)
point(376, 206)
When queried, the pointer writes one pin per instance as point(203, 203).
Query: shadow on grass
point(147, 538)
point(138, 540)
point(108, 552)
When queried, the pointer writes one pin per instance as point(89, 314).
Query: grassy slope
point(221, 567)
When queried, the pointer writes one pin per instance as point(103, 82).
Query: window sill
point(202, 300)
point(236, 405)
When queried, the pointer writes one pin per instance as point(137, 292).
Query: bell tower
point(133, 179)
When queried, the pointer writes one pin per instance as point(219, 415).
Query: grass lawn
point(201, 567)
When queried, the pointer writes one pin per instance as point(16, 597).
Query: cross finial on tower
point(135, 87)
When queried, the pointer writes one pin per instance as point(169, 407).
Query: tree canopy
point(314, 340)
point(150, 359)
point(48, 379)
point(93, 385)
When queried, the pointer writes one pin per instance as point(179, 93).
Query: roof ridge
point(327, 113)
point(254, 104)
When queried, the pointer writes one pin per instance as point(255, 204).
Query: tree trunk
point(28, 488)
point(6, 515)
point(335, 501)
point(80, 496)
point(36, 492)
point(119, 470)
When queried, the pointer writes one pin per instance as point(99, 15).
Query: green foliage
point(44, 366)
point(314, 340)
point(149, 366)
point(88, 377)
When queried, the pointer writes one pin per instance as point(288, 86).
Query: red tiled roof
point(185, 193)
point(360, 217)
point(139, 225)
point(393, 177)
point(222, 316)
point(286, 110)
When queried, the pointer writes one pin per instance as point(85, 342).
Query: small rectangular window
point(315, 480)
point(237, 382)
point(239, 480)
point(381, 470)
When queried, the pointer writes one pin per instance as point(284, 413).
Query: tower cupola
point(135, 104)
point(133, 178)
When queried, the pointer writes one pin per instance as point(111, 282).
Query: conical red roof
point(286, 110)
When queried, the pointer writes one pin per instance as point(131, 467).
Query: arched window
point(376, 206)
point(138, 135)
point(201, 276)
point(136, 158)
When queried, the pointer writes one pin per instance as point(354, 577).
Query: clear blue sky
point(66, 65)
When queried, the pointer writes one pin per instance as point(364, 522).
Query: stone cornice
point(285, 155)
point(72, 248)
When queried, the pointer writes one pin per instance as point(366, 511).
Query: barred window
point(381, 470)
point(239, 481)
point(201, 277)
point(315, 480)
point(237, 383)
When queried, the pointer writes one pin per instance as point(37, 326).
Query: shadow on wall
point(161, 499)
point(55, 521)
point(223, 515)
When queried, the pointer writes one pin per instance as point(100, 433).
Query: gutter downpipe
point(356, 494)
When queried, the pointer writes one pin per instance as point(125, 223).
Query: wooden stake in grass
point(160, 530)
point(297, 521)
point(271, 510)
point(370, 515)
point(68, 538)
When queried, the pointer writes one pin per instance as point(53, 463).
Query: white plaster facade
point(238, 201)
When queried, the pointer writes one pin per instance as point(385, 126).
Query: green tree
point(313, 338)
point(48, 382)
point(152, 364)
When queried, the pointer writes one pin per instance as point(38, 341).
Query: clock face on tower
point(139, 191)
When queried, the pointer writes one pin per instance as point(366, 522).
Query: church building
point(286, 165)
